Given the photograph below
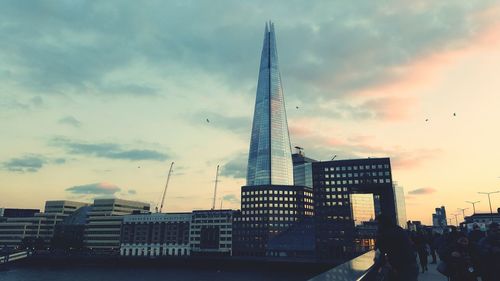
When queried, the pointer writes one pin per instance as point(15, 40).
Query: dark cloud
point(94, 189)
point(325, 47)
point(422, 191)
point(236, 167)
point(108, 150)
point(231, 198)
point(30, 163)
point(71, 121)
point(27, 163)
point(132, 192)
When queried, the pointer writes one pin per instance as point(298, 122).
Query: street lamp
point(463, 211)
point(489, 200)
point(456, 219)
point(473, 205)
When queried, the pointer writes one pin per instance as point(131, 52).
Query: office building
point(68, 234)
point(270, 156)
point(274, 211)
point(439, 220)
point(337, 184)
point(399, 201)
point(103, 228)
point(38, 227)
point(211, 232)
point(302, 169)
point(160, 234)
point(16, 213)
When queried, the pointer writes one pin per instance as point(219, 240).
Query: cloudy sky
point(97, 98)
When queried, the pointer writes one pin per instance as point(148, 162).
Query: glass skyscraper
point(269, 159)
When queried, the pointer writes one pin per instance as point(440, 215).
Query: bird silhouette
point(454, 114)
point(426, 120)
point(208, 121)
point(297, 107)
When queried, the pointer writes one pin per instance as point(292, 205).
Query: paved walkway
point(432, 274)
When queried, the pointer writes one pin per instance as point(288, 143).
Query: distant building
point(439, 220)
point(211, 232)
point(302, 169)
point(22, 228)
point(481, 219)
point(339, 183)
point(399, 200)
point(68, 235)
point(160, 234)
point(103, 227)
point(16, 213)
point(275, 221)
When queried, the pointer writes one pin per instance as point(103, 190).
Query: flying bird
point(426, 120)
point(138, 167)
point(454, 114)
point(208, 121)
point(297, 107)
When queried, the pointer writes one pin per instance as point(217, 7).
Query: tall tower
point(269, 158)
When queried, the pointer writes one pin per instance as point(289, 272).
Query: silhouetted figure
point(474, 237)
point(489, 250)
point(397, 253)
point(459, 261)
point(421, 246)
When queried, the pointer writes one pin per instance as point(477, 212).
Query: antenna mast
point(166, 185)
point(215, 188)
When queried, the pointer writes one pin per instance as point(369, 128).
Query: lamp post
point(456, 219)
point(489, 199)
point(463, 211)
point(473, 205)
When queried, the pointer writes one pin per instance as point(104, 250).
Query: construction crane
point(165, 190)
point(215, 188)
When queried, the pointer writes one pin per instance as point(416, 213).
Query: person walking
point(459, 261)
point(421, 246)
point(397, 253)
point(489, 252)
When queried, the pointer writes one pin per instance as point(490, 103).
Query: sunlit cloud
point(422, 191)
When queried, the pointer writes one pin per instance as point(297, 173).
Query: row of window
point(270, 205)
point(357, 167)
point(350, 175)
point(275, 192)
point(387, 180)
point(277, 212)
point(275, 198)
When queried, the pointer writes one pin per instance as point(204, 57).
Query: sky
point(97, 98)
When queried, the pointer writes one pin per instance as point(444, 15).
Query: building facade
point(334, 183)
point(18, 230)
point(302, 169)
point(211, 233)
point(103, 227)
point(275, 221)
point(270, 156)
point(160, 234)
point(439, 220)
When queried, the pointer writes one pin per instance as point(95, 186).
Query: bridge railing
point(13, 257)
point(353, 270)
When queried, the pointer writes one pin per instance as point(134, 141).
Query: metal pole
point(463, 212)
point(489, 199)
point(215, 188)
point(456, 219)
point(473, 205)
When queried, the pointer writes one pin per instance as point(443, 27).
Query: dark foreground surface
point(109, 270)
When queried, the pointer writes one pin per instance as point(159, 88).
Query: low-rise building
point(160, 234)
point(103, 228)
point(211, 232)
point(40, 226)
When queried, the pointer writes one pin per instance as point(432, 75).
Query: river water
point(103, 273)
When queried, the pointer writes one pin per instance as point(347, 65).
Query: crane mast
point(166, 185)
point(215, 188)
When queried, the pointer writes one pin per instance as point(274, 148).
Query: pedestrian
point(459, 261)
point(489, 251)
point(422, 250)
point(397, 253)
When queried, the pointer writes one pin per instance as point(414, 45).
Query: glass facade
point(363, 208)
point(399, 196)
point(269, 160)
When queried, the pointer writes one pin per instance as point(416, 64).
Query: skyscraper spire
point(269, 159)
